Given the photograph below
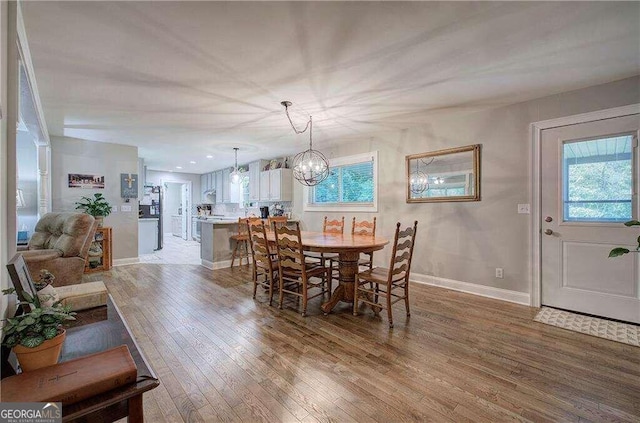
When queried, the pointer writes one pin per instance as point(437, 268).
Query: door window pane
point(598, 179)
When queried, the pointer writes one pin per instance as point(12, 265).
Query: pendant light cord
point(309, 126)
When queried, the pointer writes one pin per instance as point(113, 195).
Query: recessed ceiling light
point(192, 162)
point(209, 156)
point(178, 167)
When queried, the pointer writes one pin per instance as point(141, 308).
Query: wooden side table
point(101, 242)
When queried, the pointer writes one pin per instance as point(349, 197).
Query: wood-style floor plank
point(222, 356)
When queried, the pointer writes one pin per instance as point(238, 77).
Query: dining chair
point(241, 240)
point(388, 283)
point(328, 227)
point(294, 271)
point(278, 220)
point(264, 263)
point(365, 228)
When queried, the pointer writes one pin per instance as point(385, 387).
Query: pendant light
point(235, 176)
point(418, 180)
point(310, 167)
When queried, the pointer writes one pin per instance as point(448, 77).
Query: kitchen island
point(215, 245)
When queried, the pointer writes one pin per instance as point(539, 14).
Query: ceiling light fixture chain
point(310, 167)
point(235, 175)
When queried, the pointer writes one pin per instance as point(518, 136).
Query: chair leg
point(330, 278)
point(270, 288)
point(389, 312)
point(281, 297)
point(233, 255)
point(255, 286)
point(406, 297)
point(304, 298)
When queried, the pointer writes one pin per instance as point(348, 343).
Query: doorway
point(589, 176)
point(176, 214)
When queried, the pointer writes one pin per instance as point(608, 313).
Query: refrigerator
point(151, 207)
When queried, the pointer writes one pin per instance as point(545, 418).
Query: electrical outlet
point(499, 273)
point(125, 208)
point(523, 209)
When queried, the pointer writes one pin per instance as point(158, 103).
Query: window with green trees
point(598, 179)
point(351, 182)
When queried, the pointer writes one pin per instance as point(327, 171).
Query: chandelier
point(310, 167)
point(235, 175)
point(418, 180)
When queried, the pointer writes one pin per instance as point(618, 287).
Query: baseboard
point(216, 265)
point(126, 261)
point(472, 288)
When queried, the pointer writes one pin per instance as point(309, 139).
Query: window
point(598, 179)
point(350, 186)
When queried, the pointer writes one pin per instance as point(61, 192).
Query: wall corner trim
point(472, 288)
point(126, 261)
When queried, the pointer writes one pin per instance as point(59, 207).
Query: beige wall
point(467, 241)
point(72, 155)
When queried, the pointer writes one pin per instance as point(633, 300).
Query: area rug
point(594, 326)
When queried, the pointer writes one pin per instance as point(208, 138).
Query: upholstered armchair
point(60, 244)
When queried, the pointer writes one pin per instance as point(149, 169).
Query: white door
point(589, 180)
point(186, 210)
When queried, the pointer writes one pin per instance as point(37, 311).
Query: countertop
point(148, 218)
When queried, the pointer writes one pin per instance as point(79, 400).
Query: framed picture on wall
point(21, 279)
point(78, 180)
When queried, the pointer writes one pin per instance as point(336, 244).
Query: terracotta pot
point(100, 220)
point(45, 354)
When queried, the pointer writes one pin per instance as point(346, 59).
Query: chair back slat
point(364, 227)
point(289, 245)
point(403, 243)
point(333, 226)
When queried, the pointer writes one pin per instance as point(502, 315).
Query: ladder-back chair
point(393, 283)
point(294, 272)
point(241, 249)
point(264, 262)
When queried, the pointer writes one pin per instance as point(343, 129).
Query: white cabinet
point(203, 187)
point(176, 226)
point(210, 182)
point(218, 180)
point(226, 194)
point(254, 179)
point(276, 185)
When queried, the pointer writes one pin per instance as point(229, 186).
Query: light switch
point(125, 208)
point(523, 209)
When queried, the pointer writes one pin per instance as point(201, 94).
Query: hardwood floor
point(222, 356)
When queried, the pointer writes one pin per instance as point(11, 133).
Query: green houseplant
point(97, 207)
point(36, 336)
point(619, 251)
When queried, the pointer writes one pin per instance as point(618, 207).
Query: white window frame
point(308, 206)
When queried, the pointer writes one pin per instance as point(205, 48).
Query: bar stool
point(241, 239)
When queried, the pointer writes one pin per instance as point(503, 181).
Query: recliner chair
point(60, 244)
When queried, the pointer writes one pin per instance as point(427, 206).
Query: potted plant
point(37, 335)
point(97, 207)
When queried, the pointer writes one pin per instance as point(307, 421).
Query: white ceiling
point(181, 80)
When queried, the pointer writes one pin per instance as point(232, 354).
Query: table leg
point(136, 410)
point(347, 267)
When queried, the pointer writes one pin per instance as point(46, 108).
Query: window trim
point(308, 206)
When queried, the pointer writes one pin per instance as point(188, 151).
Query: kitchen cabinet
point(203, 187)
point(254, 179)
point(210, 182)
point(226, 192)
point(276, 185)
point(219, 190)
point(176, 225)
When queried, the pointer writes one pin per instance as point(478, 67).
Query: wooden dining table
point(348, 247)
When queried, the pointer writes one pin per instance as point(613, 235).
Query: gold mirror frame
point(475, 183)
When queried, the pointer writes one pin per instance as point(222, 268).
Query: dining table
point(348, 247)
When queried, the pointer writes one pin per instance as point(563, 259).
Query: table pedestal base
point(348, 268)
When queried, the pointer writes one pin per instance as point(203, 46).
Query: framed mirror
point(444, 175)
